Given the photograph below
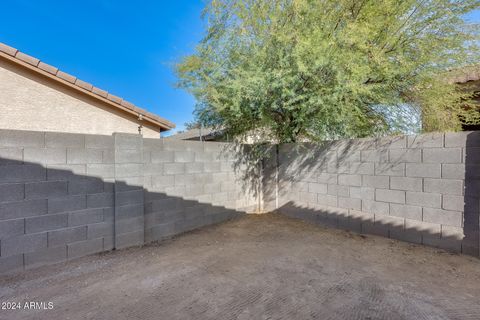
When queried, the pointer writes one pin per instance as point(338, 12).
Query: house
point(198, 134)
point(39, 97)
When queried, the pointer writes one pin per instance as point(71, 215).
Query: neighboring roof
point(35, 64)
point(465, 74)
point(194, 134)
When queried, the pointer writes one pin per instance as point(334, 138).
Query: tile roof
point(194, 134)
point(52, 72)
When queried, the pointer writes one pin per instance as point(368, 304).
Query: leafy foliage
point(288, 70)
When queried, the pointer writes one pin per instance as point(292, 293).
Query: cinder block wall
point(64, 196)
point(422, 189)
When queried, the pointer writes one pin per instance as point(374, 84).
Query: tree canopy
point(323, 69)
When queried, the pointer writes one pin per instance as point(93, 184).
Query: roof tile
point(48, 68)
point(84, 85)
point(127, 104)
point(65, 76)
point(26, 58)
point(100, 92)
point(8, 50)
point(115, 99)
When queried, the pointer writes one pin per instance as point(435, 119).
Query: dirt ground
point(256, 267)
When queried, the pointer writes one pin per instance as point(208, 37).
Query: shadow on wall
point(350, 185)
point(471, 242)
point(49, 214)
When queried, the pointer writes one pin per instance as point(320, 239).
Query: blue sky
point(124, 47)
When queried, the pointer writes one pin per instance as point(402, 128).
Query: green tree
point(322, 69)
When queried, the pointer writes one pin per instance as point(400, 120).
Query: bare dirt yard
point(256, 267)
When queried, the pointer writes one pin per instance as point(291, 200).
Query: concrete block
point(392, 142)
point(11, 264)
point(451, 187)
point(162, 156)
point(22, 209)
point(108, 156)
point(159, 181)
point(374, 156)
point(376, 181)
point(85, 186)
point(130, 239)
point(362, 193)
point(327, 178)
point(193, 167)
point(11, 228)
point(460, 139)
point(431, 200)
point(336, 190)
point(227, 166)
point(212, 167)
point(45, 257)
point(99, 142)
point(455, 171)
point(349, 203)
point(375, 229)
point(452, 232)
point(84, 248)
point(406, 211)
point(362, 168)
point(429, 140)
point(448, 155)
point(128, 211)
point(375, 207)
point(446, 244)
point(23, 244)
point(317, 188)
point(423, 170)
point(471, 155)
point(83, 217)
point(100, 200)
point(350, 180)
point(128, 141)
point(67, 203)
point(101, 170)
point(204, 178)
point(130, 197)
point(184, 156)
point(128, 156)
point(405, 155)
point(45, 189)
point(174, 168)
point(423, 227)
point(455, 203)
point(386, 195)
point(12, 192)
point(14, 138)
point(390, 169)
point(153, 169)
point(45, 155)
point(22, 173)
point(100, 230)
point(308, 197)
point(61, 237)
point(83, 156)
point(444, 217)
point(327, 200)
point(128, 170)
point(66, 172)
point(406, 183)
point(392, 222)
point(46, 223)
point(11, 156)
point(64, 140)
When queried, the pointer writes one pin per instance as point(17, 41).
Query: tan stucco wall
point(29, 101)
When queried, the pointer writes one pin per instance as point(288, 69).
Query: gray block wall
point(422, 189)
point(64, 196)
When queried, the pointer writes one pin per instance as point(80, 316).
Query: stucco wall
point(32, 102)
